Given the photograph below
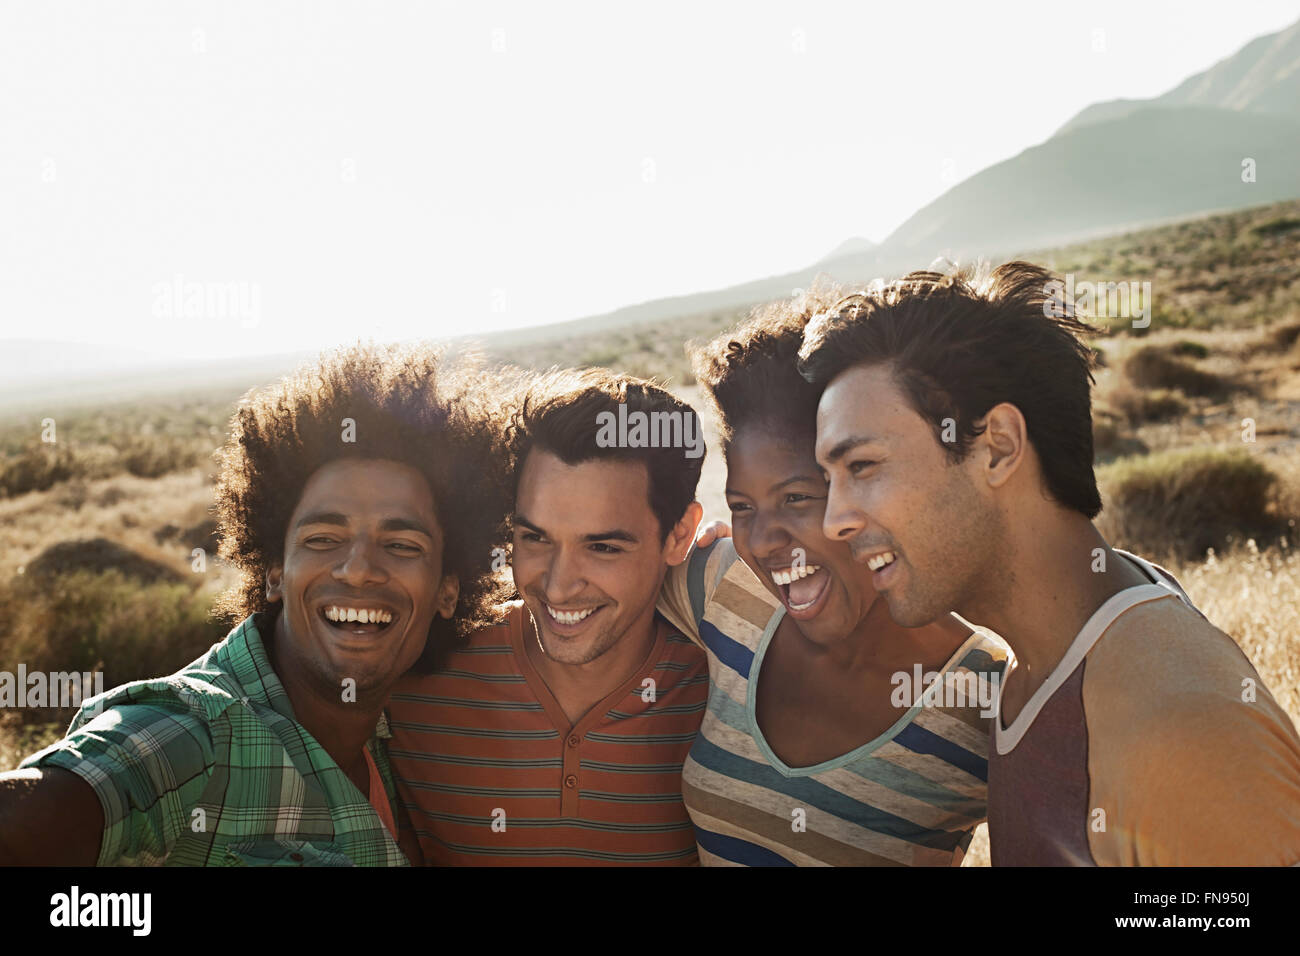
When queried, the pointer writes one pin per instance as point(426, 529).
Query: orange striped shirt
point(492, 774)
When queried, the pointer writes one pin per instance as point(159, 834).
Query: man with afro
point(357, 501)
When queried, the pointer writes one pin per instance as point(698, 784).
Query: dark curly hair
point(410, 404)
point(750, 372)
point(959, 343)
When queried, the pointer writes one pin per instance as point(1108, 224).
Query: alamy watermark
point(49, 689)
point(215, 301)
point(961, 688)
point(1110, 300)
point(650, 430)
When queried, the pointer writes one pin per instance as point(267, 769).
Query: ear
point(275, 583)
point(682, 535)
point(448, 595)
point(1006, 440)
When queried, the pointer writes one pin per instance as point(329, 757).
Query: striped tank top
point(911, 797)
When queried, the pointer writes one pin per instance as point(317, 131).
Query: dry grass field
point(107, 560)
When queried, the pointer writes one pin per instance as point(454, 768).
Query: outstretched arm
point(48, 817)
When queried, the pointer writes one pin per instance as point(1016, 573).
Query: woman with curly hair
point(831, 736)
point(359, 501)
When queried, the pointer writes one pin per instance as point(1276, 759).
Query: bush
point(43, 466)
point(152, 457)
point(1276, 227)
point(1285, 336)
point(1147, 405)
point(1189, 349)
point(1155, 367)
point(1184, 502)
point(111, 622)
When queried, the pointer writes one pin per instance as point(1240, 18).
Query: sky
point(210, 180)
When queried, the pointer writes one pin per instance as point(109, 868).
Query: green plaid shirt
point(208, 767)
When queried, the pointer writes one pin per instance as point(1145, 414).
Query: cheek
point(740, 540)
point(523, 566)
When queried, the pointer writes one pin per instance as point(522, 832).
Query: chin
point(908, 615)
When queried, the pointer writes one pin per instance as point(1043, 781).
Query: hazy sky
point(393, 170)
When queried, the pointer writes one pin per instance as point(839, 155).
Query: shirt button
point(575, 740)
point(570, 781)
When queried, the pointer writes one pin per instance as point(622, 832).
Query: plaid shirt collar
point(243, 655)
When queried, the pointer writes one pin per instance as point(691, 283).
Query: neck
point(341, 728)
point(872, 640)
point(1056, 571)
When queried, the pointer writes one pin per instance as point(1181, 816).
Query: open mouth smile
point(882, 560)
point(802, 588)
point(570, 619)
point(358, 618)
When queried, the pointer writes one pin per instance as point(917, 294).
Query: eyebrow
point(617, 534)
point(842, 448)
point(816, 479)
point(340, 520)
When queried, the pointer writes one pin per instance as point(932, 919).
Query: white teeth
point(881, 560)
point(569, 617)
point(790, 575)
point(360, 615)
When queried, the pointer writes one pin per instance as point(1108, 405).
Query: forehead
point(758, 453)
point(587, 497)
point(366, 487)
point(865, 403)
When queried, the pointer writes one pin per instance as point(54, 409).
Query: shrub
point(87, 621)
point(1184, 502)
point(1155, 367)
point(1147, 405)
point(1276, 227)
point(97, 554)
point(1284, 336)
point(1189, 349)
point(43, 466)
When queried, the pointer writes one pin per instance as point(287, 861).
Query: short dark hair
point(750, 373)
point(960, 343)
point(560, 412)
point(408, 404)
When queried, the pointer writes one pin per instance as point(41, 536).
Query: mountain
point(1115, 166)
point(856, 246)
point(1262, 77)
point(1150, 165)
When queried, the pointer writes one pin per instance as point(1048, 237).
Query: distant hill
point(856, 246)
point(1114, 167)
point(1262, 77)
point(1151, 165)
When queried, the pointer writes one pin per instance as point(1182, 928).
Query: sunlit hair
point(750, 375)
point(960, 343)
point(408, 404)
point(559, 412)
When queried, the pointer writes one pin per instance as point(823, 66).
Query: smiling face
point(363, 542)
point(777, 497)
point(930, 536)
point(589, 557)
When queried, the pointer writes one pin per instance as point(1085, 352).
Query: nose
point(564, 576)
point(843, 518)
point(768, 536)
point(359, 567)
